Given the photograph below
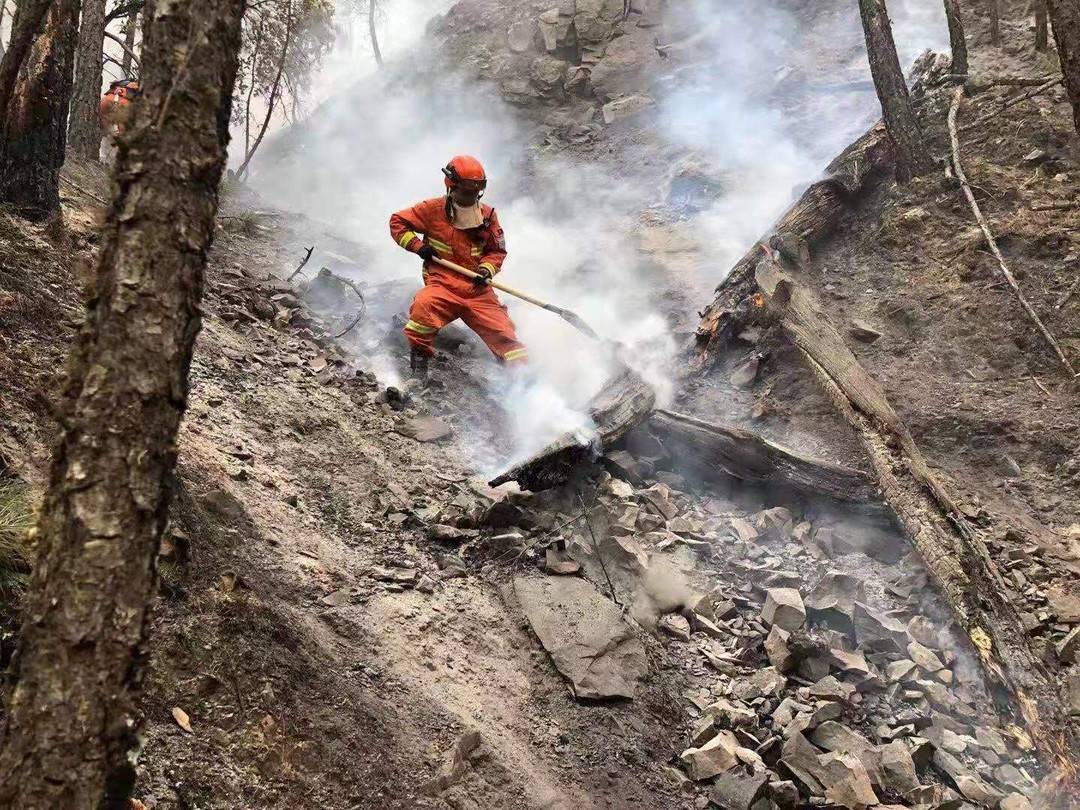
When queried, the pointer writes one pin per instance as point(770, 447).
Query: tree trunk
point(85, 130)
point(994, 7)
point(130, 29)
point(34, 134)
point(1065, 20)
point(1041, 33)
point(71, 720)
point(373, 6)
point(912, 157)
point(25, 26)
point(956, 37)
point(275, 90)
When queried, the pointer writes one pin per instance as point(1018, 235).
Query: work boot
point(418, 362)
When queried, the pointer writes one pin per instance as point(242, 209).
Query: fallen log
point(623, 404)
point(804, 225)
point(955, 557)
point(710, 449)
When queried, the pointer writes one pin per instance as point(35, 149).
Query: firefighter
point(116, 105)
point(461, 229)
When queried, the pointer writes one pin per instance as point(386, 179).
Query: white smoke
point(752, 110)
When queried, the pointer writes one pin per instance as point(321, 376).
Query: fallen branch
point(1063, 205)
point(990, 240)
point(955, 557)
point(976, 84)
point(1068, 294)
point(300, 267)
point(84, 191)
point(1042, 88)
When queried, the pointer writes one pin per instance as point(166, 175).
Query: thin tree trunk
point(956, 37)
point(994, 7)
point(274, 90)
point(1041, 33)
point(3, 10)
point(373, 6)
point(912, 156)
point(1065, 20)
point(130, 29)
point(84, 129)
point(255, 50)
point(71, 720)
point(34, 132)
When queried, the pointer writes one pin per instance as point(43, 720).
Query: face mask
point(470, 217)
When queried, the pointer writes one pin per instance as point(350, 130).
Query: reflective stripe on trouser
point(435, 306)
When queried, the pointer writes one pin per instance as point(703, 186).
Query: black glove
point(483, 277)
point(427, 253)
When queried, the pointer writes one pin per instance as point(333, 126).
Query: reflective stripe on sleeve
point(442, 247)
point(516, 355)
point(489, 266)
point(406, 237)
point(420, 329)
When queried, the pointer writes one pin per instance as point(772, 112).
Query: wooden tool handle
point(457, 268)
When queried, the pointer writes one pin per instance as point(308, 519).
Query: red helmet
point(465, 172)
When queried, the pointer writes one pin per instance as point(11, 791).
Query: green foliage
point(16, 548)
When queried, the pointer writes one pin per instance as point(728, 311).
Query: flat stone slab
point(584, 634)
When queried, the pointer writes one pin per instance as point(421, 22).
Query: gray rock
point(584, 634)
point(785, 795)
point(1069, 647)
point(1015, 801)
point(898, 768)
point(800, 758)
point(846, 781)
point(735, 790)
point(711, 759)
point(784, 609)
point(521, 36)
point(832, 602)
point(863, 332)
point(425, 429)
point(878, 631)
point(676, 626)
point(623, 108)
point(776, 649)
point(838, 738)
point(924, 657)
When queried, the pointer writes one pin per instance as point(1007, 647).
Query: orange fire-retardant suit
point(446, 295)
point(116, 105)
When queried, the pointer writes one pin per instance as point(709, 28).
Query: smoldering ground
point(573, 227)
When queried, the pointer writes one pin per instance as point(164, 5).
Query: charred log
point(712, 450)
point(811, 220)
point(955, 556)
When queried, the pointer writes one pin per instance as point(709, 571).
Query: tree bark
point(84, 129)
point(34, 134)
point(957, 41)
point(1041, 32)
point(956, 559)
point(131, 27)
point(373, 6)
point(71, 710)
point(1065, 20)
point(25, 26)
point(912, 158)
